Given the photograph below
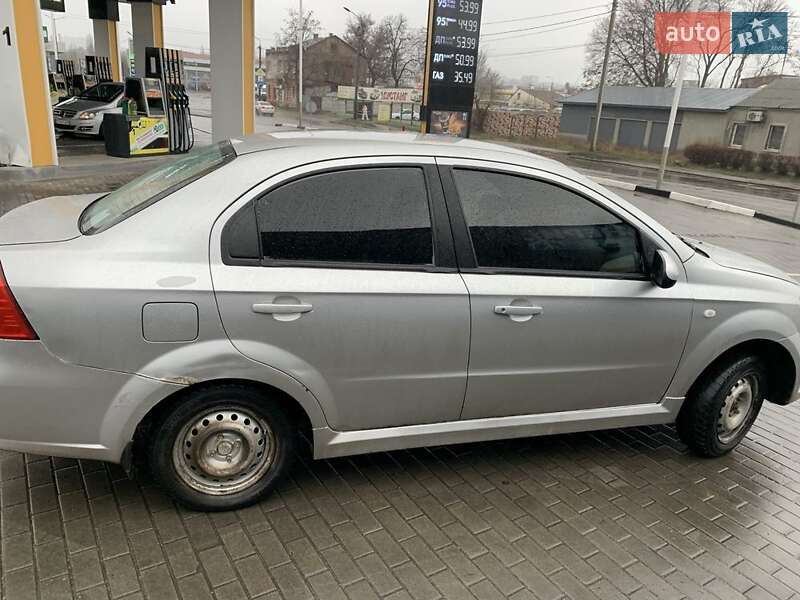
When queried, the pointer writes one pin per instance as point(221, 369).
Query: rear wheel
point(723, 407)
point(221, 448)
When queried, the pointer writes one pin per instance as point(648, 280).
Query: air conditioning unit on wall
point(755, 116)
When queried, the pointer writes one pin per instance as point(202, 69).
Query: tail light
point(13, 323)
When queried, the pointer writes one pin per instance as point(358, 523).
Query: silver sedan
point(370, 292)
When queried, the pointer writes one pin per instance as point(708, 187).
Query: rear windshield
point(103, 92)
point(151, 187)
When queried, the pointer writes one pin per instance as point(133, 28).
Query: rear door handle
point(282, 309)
point(518, 311)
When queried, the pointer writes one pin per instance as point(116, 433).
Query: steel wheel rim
point(223, 451)
point(736, 408)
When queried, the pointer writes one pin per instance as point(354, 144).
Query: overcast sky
point(516, 51)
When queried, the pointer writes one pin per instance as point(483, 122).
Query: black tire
point(165, 465)
point(700, 415)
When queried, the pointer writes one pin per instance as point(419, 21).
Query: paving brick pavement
point(624, 513)
point(615, 514)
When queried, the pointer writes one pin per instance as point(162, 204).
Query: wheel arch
point(293, 408)
point(780, 364)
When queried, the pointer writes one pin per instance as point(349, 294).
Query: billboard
point(372, 94)
point(454, 30)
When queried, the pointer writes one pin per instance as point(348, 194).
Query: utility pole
point(55, 35)
point(259, 55)
point(601, 91)
point(300, 67)
point(673, 113)
point(357, 62)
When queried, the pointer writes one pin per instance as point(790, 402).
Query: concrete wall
point(756, 137)
point(716, 128)
point(704, 128)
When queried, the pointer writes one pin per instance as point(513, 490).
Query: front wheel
point(723, 407)
point(221, 448)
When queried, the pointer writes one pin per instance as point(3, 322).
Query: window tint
point(521, 223)
point(371, 216)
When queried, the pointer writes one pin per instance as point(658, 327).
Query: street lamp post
point(301, 36)
point(357, 63)
point(673, 114)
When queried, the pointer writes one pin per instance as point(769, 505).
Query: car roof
point(349, 143)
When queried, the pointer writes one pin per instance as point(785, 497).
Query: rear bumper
point(54, 408)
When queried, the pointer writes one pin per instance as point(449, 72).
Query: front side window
point(521, 223)
point(775, 137)
point(377, 216)
point(738, 134)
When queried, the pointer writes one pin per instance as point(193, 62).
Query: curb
point(681, 171)
point(695, 201)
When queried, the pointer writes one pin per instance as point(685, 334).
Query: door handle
point(282, 309)
point(518, 311)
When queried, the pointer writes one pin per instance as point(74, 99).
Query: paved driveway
point(625, 513)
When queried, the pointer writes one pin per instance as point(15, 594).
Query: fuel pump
point(167, 65)
point(64, 78)
point(162, 120)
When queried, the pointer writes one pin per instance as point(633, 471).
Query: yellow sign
point(384, 112)
point(149, 135)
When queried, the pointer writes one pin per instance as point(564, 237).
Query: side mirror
point(664, 271)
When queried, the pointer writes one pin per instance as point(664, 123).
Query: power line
point(540, 32)
point(541, 50)
point(556, 14)
point(538, 27)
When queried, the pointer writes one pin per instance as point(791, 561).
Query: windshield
point(151, 187)
point(102, 92)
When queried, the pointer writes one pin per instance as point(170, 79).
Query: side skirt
point(329, 443)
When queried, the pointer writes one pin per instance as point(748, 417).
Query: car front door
point(345, 278)
point(564, 316)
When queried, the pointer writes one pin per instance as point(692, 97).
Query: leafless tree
point(634, 59)
point(367, 38)
point(288, 37)
point(486, 85)
point(291, 27)
point(400, 48)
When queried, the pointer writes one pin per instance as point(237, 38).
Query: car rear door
point(344, 276)
point(564, 316)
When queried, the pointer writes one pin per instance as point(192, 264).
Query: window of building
point(738, 135)
point(521, 223)
point(374, 216)
point(775, 137)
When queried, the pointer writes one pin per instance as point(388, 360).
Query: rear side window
point(521, 223)
point(377, 216)
point(151, 187)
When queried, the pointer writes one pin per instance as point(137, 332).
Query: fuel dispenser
point(156, 118)
point(166, 65)
point(62, 81)
point(97, 69)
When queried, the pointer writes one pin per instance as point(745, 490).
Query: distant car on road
point(375, 292)
point(406, 114)
point(265, 108)
point(83, 114)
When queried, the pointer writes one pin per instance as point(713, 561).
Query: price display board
point(452, 55)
